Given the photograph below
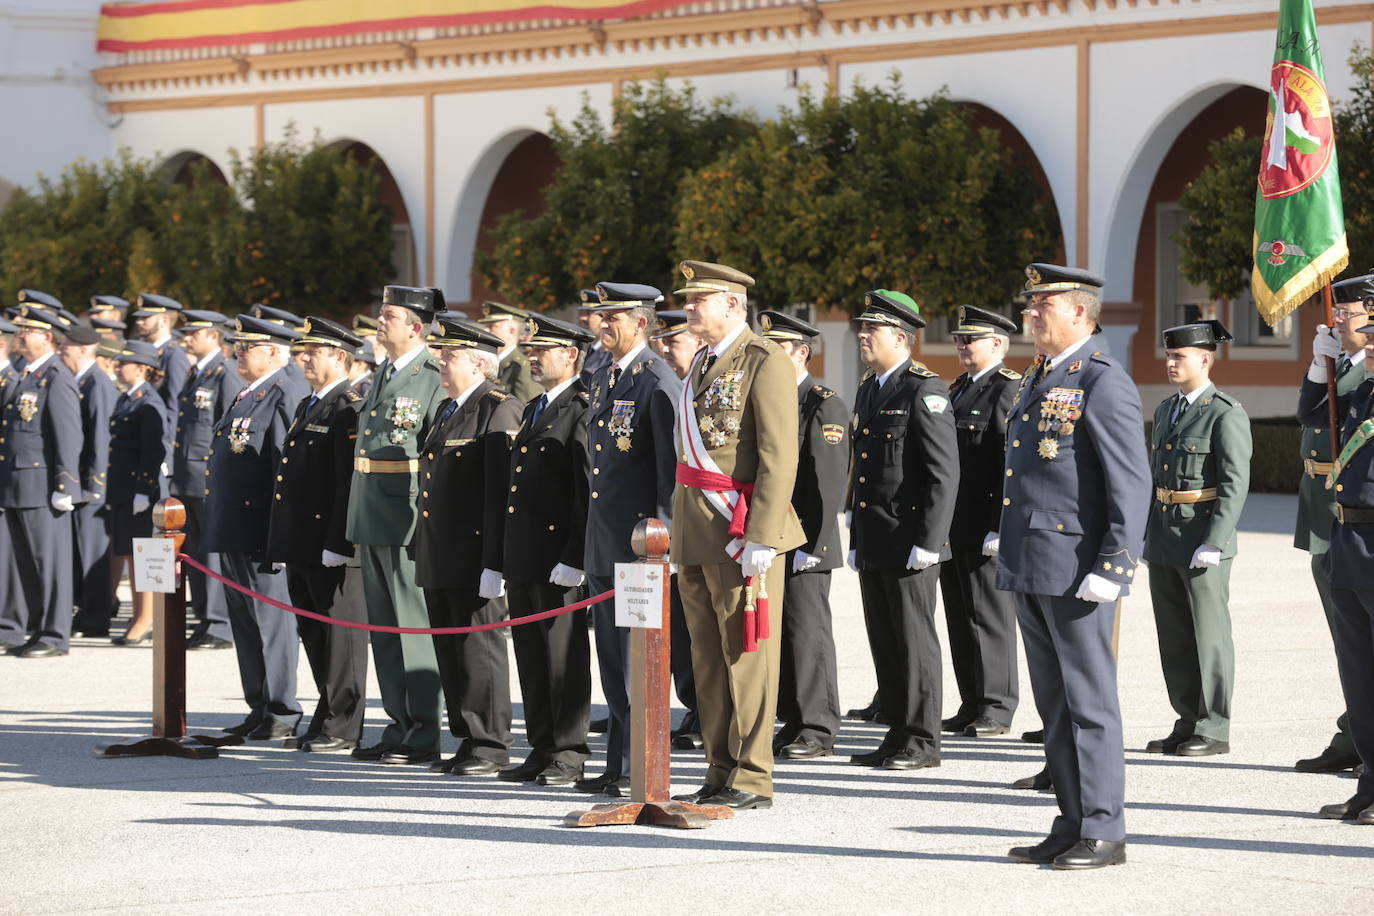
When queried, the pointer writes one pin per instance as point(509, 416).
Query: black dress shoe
point(372, 751)
point(243, 728)
point(472, 766)
point(734, 798)
point(559, 773)
point(596, 785)
point(271, 729)
point(1041, 781)
point(688, 741)
point(803, 749)
point(619, 788)
point(1164, 745)
point(1328, 761)
point(873, 758)
point(1035, 737)
point(404, 754)
point(699, 796)
point(12, 648)
point(985, 727)
point(1200, 746)
point(955, 724)
point(1349, 809)
point(599, 726)
point(908, 759)
point(1366, 817)
point(206, 641)
point(447, 764)
point(524, 772)
point(1357, 772)
point(1044, 852)
point(1092, 854)
point(40, 650)
point(325, 744)
point(867, 713)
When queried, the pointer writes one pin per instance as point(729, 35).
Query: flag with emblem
point(1299, 240)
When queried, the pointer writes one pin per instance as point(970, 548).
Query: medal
point(623, 443)
point(28, 406)
point(1048, 448)
point(239, 434)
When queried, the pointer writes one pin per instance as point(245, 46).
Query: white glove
point(92, 496)
point(141, 503)
point(802, 561)
point(920, 559)
point(62, 502)
point(165, 471)
point(853, 560)
point(991, 544)
point(278, 567)
point(849, 519)
point(565, 576)
point(1324, 344)
point(492, 585)
point(1097, 590)
point(756, 559)
point(331, 559)
point(1205, 556)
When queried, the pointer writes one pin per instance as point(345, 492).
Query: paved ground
point(264, 828)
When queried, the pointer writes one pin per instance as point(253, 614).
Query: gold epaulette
point(1008, 373)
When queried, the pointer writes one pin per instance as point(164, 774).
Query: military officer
point(980, 618)
point(107, 308)
point(1200, 466)
point(365, 360)
point(1316, 503)
point(546, 522)
point(209, 391)
point(395, 419)
point(154, 318)
point(630, 439)
point(507, 322)
point(1074, 505)
point(13, 622)
point(249, 441)
point(904, 479)
point(295, 368)
point(96, 602)
point(597, 356)
point(808, 692)
point(675, 342)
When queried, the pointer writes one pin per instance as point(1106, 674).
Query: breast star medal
point(1048, 448)
point(623, 443)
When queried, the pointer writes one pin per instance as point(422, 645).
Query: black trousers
point(899, 612)
point(208, 599)
point(1341, 740)
point(553, 660)
point(1353, 625)
point(981, 620)
point(337, 655)
point(41, 539)
point(95, 598)
point(613, 661)
point(474, 671)
point(808, 685)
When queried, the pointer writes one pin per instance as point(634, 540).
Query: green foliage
point(1215, 247)
point(1276, 462)
point(1355, 153)
point(609, 209)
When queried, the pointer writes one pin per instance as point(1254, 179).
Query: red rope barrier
point(375, 628)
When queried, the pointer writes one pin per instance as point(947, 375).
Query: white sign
point(639, 595)
point(155, 565)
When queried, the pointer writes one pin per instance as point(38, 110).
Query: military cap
point(705, 277)
point(330, 334)
point(547, 331)
point(197, 319)
point(109, 349)
point(68, 318)
point(108, 324)
point(459, 332)
point(500, 311)
point(31, 316)
point(40, 299)
point(7, 327)
point(589, 299)
point(1051, 278)
point(671, 322)
point(1356, 289)
point(423, 300)
point(368, 351)
point(887, 306)
point(364, 326)
point(83, 336)
point(276, 315)
point(976, 322)
point(1206, 334)
point(626, 296)
point(147, 304)
point(139, 351)
point(782, 326)
point(248, 329)
point(108, 302)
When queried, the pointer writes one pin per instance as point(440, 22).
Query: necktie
point(192, 376)
point(614, 377)
point(539, 408)
point(1342, 365)
point(707, 362)
point(311, 401)
point(448, 412)
point(1180, 408)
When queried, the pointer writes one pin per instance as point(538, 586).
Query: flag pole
point(1331, 378)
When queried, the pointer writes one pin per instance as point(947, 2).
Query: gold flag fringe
point(1273, 306)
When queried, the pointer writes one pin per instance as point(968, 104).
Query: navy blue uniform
point(95, 597)
point(138, 426)
point(175, 366)
point(12, 625)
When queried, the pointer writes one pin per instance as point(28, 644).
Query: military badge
point(405, 417)
point(832, 433)
point(621, 424)
point(28, 406)
point(316, 428)
point(936, 403)
point(1048, 448)
point(716, 438)
point(239, 434)
point(724, 391)
point(204, 398)
point(1075, 366)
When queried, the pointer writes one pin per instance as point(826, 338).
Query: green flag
point(1299, 224)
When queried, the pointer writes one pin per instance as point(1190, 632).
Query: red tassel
point(764, 628)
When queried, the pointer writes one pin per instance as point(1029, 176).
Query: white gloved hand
point(567, 577)
point(1097, 590)
point(853, 560)
point(492, 585)
point(331, 559)
point(756, 559)
point(91, 496)
point(1205, 556)
point(278, 567)
point(165, 471)
point(991, 544)
point(920, 559)
point(849, 519)
point(62, 502)
point(141, 503)
point(802, 561)
point(1324, 343)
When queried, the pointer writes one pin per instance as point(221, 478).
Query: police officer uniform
point(95, 598)
point(137, 452)
point(981, 619)
point(107, 308)
point(287, 320)
point(171, 357)
point(249, 441)
point(308, 517)
point(209, 391)
point(40, 452)
point(597, 357)
point(513, 374)
point(546, 521)
point(808, 689)
point(1200, 467)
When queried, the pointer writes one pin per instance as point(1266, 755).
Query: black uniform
point(980, 617)
point(138, 426)
point(95, 597)
point(175, 368)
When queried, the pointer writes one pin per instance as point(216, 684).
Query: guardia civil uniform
point(1200, 467)
point(513, 373)
point(95, 597)
point(737, 418)
point(171, 357)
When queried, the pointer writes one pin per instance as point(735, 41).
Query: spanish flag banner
point(1299, 223)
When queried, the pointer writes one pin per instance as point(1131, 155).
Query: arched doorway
point(405, 267)
point(184, 168)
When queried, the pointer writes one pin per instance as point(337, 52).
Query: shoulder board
point(497, 395)
point(823, 391)
point(867, 375)
point(1008, 373)
point(764, 344)
point(1100, 357)
point(1225, 398)
point(352, 396)
point(582, 397)
point(919, 370)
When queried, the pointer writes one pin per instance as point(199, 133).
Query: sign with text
point(155, 565)
point(639, 595)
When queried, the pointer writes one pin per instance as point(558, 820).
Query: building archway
point(404, 261)
point(183, 167)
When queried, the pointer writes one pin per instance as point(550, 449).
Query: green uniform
point(514, 375)
point(1207, 448)
point(393, 421)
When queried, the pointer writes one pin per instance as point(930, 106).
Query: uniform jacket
point(514, 376)
point(630, 450)
point(546, 519)
point(746, 402)
point(1083, 509)
point(40, 437)
point(137, 443)
point(464, 479)
point(310, 503)
point(201, 404)
point(905, 468)
point(823, 441)
point(1209, 446)
point(249, 440)
point(980, 424)
point(98, 396)
point(175, 366)
point(381, 510)
point(1350, 555)
point(1315, 501)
